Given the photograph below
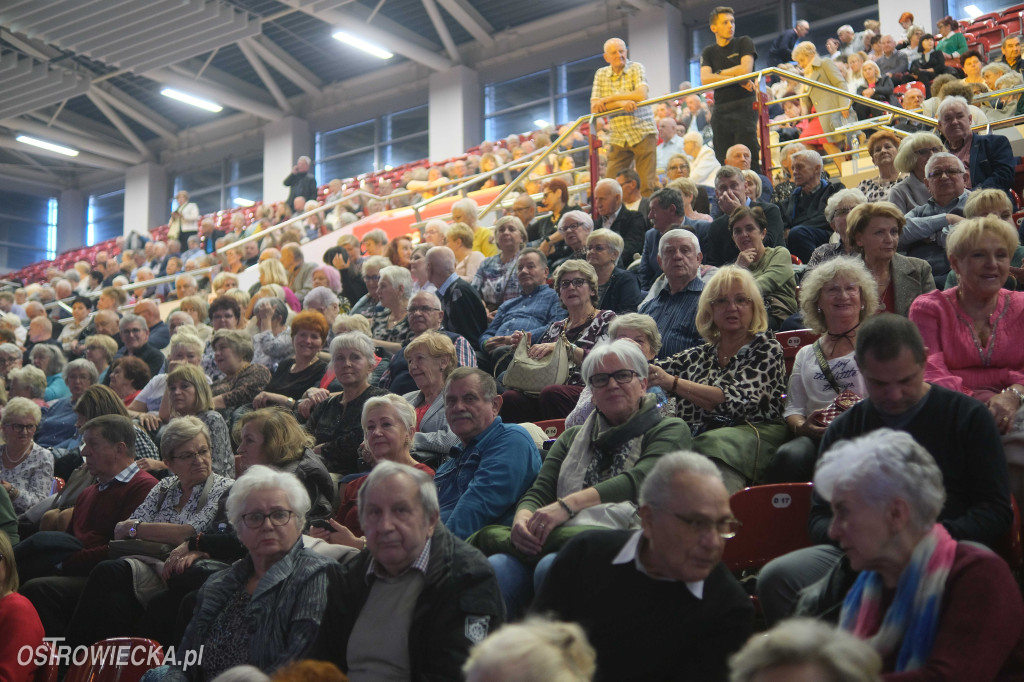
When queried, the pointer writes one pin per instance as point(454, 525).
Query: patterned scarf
point(913, 618)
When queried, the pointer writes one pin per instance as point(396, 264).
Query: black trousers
point(736, 124)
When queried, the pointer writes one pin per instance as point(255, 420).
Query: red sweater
point(981, 627)
point(96, 513)
point(21, 627)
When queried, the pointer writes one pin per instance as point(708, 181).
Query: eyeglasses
point(192, 456)
point(423, 309)
point(948, 172)
point(22, 428)
point(725, 301)
point(131, 331)
point(597, 248)
point(677, 167)
point(842, 211)
point(622, 376)
point(278, 517)
point(571, 227)
point(928, 151)
point(724, 528)
point(371, 278)
point(577, 282)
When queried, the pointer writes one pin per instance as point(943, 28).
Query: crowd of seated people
point(340, 463)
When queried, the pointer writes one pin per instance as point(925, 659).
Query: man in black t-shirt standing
point(734, 120)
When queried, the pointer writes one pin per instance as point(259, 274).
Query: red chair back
point(794, 341)
point(49, 671)
point(774, 519)
point(118, 659)
point(1010, 546)
point(552, 428)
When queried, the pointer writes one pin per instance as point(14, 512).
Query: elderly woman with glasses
point(26, 469)
point(598, 466)
point(729, 390)
point(184, 504)
point(496, 279)
point(932, 607)
point(574, 227)
point(911, 158)
point(584, 326)
point(58, 423)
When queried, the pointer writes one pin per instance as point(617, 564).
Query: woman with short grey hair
point(924, 601)
point(496, 278)
point(391, 332)
point(51, 360)
point(27, 382)
point(272, 344)
point(912, 157)
point(59, 424)
point(837, 208)
point(26, 468)
point(335, 422)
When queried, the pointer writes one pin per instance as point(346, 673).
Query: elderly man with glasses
point(928, 225)
point(686, 612)
point(135, 335)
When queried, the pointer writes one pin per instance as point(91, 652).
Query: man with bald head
point(159, 333)
point(621, 85)
point(464, 311)
point(739, 156)
point(671, 143)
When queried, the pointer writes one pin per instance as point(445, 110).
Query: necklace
point(13, 463)
point(849, 335)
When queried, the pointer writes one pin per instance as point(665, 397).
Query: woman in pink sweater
point(974, 332)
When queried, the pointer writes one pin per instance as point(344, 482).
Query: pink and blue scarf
point(912, 620)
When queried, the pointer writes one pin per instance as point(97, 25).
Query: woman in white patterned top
point(26, 470)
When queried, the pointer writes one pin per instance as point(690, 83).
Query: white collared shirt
point(631, 552)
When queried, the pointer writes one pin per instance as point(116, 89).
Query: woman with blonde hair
point(459, 238)
point(688, 188)
point(188, 394)
point(729, 390)
point(911, 158)
point(272, 272)
point(994, 202)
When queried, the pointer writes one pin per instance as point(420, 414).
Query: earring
point(819, 309)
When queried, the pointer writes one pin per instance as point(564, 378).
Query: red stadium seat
point(1012, 22)
point(552, 428)
point(111, 668)
point(991, 37)
point(792, 342)
point(774, 522)
point(49, 671)
point(57, 485)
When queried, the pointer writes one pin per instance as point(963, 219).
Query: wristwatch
point(133, 530)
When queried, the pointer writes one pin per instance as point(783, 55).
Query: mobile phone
point(322, 523)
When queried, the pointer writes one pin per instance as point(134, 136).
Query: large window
point(378, 144)
point(28, 228)
point(554, 96)
point(105, 217)
point(223, 185)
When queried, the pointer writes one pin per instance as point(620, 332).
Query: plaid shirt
point(375, 569)
point(627, 129)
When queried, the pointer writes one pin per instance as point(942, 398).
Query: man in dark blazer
point(731, 192)
point(464, 311)
point(612, 215)
point(803, 213)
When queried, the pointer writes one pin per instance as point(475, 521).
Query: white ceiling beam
point(119, 123)
point(220, 95)
point(35, 164)
point(135, 110)
point(77, 141)
point(191, 69)
point(386, 33)
point(285, 64)
point(31, 47)
point(83, 158)
point(77, 125)
point(268, 80)
point(442, 30)
point(19, 173)
point(470, 19)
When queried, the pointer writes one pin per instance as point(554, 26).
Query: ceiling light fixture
point(43, 144)
point(360, 44)
point(191, 99)
point(972, 11)
point(541, 123)
point(243, 202)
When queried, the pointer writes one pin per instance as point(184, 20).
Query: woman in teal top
point(953, 41)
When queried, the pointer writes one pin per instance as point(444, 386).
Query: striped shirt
point(675, 314)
